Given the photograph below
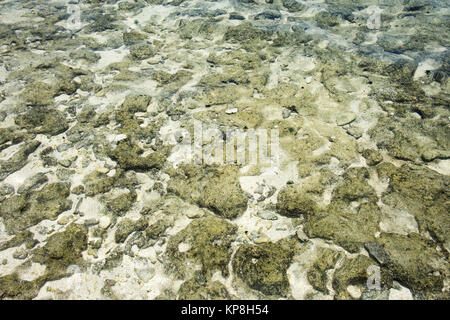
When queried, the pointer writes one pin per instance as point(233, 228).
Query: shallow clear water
point(242, 149)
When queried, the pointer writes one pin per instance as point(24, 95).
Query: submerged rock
point(344, 225)
point(129, 157)
point(294, 202)
point(136, 103)
point(20, 238)
point(422, 192)
point(317, 275)
point(12, 287)
point(122, 203)
point(192, 290)
point(263, 267)
point(206, 242)
point(32, 183)
point(43, 120)
point(18, 160)
point(62, 250)
point(39, 94)
point(414, 261)
point(142, 51)
point(356, 272)
point(214, 187)
point(127, 226)
point(293, 5)
point(28, 209)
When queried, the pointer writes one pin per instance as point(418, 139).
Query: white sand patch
point(424, 66)
point(400, 293)
point(33, 272)
point(397, 221)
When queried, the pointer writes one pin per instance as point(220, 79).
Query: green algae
point(18, 160)
point(42, 120)
point(28, 209)
point(192, 290)
point(39, 94)
point(127, 226)
point(20, 238)
point(128, 156)
point(346, 226)
point(157, 229)
point(317, 274)
point(62, 250)
point(209, 240)
point(423, 193)
point(414, 261)
point(294, 202)
point(263, 267)
point(122, 203)
point(214, 187)
point(12, 287)
point(355, 272)
point(142, 51)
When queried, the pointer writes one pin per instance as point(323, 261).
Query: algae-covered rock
point(32, 183)
point(128, 156)
point(189, 28)
point(224, 94)
point(28, 209)
point(18, 160)
point(415, 262)
point(62, 250)
point(142, 51)
point(97, 182)
point(263, 267)
point(317, 274)
point(12, 287)
point(423, 193)
point(114, 258)
point(413, 139)
point(293, 5)
point(268, 14)
point(131, 125)
point(133, 37)
point(102, 23)
point(122, 203)
point(229, 75)
point(347, 226)
point(9, 136)
point(23, 237)
point(354, 186)
point(246, 32)
point(39, 94)
point(155, 230)
point(136, 102)
point(355, 272)
point(372, 156)
point(178, 78)
point(192, 290)
point(327, 20)
point(43, 120)
point(352, 217)
point(293, 202)
point(127, 226)
point(214, 187)
point(205, 242)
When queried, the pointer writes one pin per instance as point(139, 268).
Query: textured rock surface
point(105, 193)
point(263, 267)
point(216, 188)
point(207, 242)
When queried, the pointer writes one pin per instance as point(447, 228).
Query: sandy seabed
point(100, 196)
